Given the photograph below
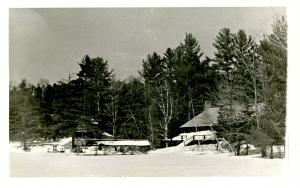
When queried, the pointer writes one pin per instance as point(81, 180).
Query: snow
point(277, 149)
point(107, 134)
point(153, 165)
point(125, 142)
point(208, 135)
point(193, 149)
point(17, 147)
point(65, 141)
point(168, 162)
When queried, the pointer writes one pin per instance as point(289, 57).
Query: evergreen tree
point(153, 73)
point(131, 110)
point(67, 108)
point(95, 79)
point(176, 84)
point(225, 51)
point(239, 89)
point(273, 49)
point(44, 98)
point(24, 117)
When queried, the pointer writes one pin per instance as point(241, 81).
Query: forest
point(171, 89)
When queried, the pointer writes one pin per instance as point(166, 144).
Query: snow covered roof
point(107, 134)
point(208, 117)
point(125, 142)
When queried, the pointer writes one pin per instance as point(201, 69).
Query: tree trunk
point(73, 142)
point(151, 129)
point(255, 105)
point(25, 145)
point(263, 151)
point(166, 134)
point(189, 112)
point(238, 148)
point(98, 102)
point(96, 148)
point(114, 103)
point(271, 153)
point(247, 149)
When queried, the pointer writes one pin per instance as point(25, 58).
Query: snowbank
point(193, 149)
point(65, 141)
point(17, 147)
point(125, 142)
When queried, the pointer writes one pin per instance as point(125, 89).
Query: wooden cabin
point(198, 130)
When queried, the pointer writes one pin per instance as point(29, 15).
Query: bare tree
point(114, 108)
point(165, 103)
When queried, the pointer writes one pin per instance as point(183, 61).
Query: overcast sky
point(49, 43)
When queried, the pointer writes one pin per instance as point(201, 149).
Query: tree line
point(172, 88)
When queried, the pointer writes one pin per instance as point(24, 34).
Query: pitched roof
point(208, 117)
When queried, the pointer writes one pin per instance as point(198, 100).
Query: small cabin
point(198, 130)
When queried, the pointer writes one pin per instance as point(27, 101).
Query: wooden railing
point(192, 138)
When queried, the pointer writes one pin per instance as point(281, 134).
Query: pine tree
point(96, 81)
point(240, 87)
point(67, 108)
point(153, 73)
point(274, 71)
point(175, 83)
point(24, 116)
point(132, 120)
point(225, 51)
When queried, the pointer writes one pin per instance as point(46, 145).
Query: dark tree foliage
point(67, 108)
point(95, 81)
point(182, 80)
point(131, 111)
point(24, 116)
point(153, 74)
point(238, 91)
point(225, 50)
point(273, 49)
point(255, 79)
point(195, 79)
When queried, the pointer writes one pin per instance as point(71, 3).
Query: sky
point(49, 43)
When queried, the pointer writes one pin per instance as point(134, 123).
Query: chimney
point(207, 105)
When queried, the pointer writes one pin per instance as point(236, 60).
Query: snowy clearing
point(169, 162)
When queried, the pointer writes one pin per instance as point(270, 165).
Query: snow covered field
point(164, 162)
